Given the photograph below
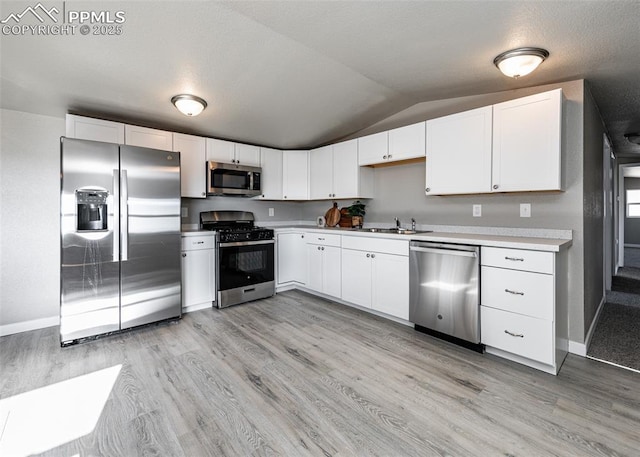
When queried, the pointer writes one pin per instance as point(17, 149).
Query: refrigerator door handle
point(124, 212)
point(113, 218)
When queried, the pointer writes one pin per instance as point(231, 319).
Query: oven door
point(245, 271)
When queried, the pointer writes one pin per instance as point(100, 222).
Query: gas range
point(245, 257)
point(234, 226)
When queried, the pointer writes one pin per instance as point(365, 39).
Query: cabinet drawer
point(191, 243)
point(383, 245)
point(520, 292)
point(521, 335)
point(517, 259)
point(324, 239)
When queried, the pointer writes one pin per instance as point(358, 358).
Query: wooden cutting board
point(333, 216)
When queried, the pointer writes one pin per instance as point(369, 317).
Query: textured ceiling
point(299, 74)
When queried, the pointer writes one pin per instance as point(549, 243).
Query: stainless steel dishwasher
point(444, 297)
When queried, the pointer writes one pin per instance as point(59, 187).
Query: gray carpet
point(632, 257)
point(616, 338)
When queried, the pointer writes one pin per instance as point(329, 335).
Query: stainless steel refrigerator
point(120, 237)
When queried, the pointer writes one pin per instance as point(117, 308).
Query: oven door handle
point(246, 243)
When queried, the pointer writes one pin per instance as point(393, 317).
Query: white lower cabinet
point(375, 274)
point(523, 306)
point(323, 263)
point(198, 272)
point(291, 258)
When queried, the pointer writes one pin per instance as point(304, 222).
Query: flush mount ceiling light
point(189, 105)
point(633, 138)
point(521, 61)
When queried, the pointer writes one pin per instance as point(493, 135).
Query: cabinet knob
point(389, 156)
point(373, 256)
point(368, 255)
point(495, 186)
point(384, 157)
point(301, 236)
point(428, 189)
point(237, 161)
point(203, 194)
point(262, 195)
point(184, 254)
point(285, 196)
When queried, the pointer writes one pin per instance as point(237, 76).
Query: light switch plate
point(477, 210)
point(271, 212)
point(525, 209)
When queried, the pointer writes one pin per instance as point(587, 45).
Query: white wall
point(29, 221)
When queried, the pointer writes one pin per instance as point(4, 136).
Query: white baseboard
point(36, 324)
point(581, 348)
point(198, 307)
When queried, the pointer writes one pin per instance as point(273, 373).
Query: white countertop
point(196, 232)
point(503, 241)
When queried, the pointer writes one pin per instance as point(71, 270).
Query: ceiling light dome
point(521, 61)
point(189, 105)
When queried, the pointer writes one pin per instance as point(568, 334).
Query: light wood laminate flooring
point(296, 375)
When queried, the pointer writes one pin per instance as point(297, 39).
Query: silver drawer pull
point(514, 259)
point(513, 292)
point(517, 335)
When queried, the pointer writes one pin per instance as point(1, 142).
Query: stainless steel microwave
point(232, 179)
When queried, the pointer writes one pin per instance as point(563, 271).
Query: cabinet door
point(292, 258)
point(295, 175)
point(314, 267)
point(321, 173)
point(373, 149)
point(527, 143)
point(198, 277)
point(220, 150)
point(346, 171)
point(407, 142)
point(356, 277)
point(459, 153)
point(248, 155)
point(86, 128)
point(148, 138)
point(390, 281)
point(331, 271)
point(193, 174)
point(271, 179)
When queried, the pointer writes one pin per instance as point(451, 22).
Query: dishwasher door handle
point(445, 251)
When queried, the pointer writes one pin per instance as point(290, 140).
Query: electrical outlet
point(271, 212)
point(184, 211)
point(477, 210)
point(525, 209)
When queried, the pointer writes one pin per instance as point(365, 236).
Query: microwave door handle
point(250, 180)
point(124, 205)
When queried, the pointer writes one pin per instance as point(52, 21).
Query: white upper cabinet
point(407, 142)
point(321, 173)
point(192, 164)
point(527, 143)
point(373, 149)
point(247, 154)
point(271, 179)
point(230, 152)
point(334, 173)
point(86, 128)
point(295, 175)
point(459, 153)
point(148, 138)
point(349, 179)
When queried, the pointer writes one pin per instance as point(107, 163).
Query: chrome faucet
point(413, 224)
point(397, 222)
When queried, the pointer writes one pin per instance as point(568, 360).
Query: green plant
point(356, 209)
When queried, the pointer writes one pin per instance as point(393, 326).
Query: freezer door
point(89, 271)
point(150, 236)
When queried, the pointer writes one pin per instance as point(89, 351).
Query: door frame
point(622, 211)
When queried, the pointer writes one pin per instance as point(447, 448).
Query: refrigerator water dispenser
point(92, 210)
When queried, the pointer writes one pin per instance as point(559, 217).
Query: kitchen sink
point(398, 231)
